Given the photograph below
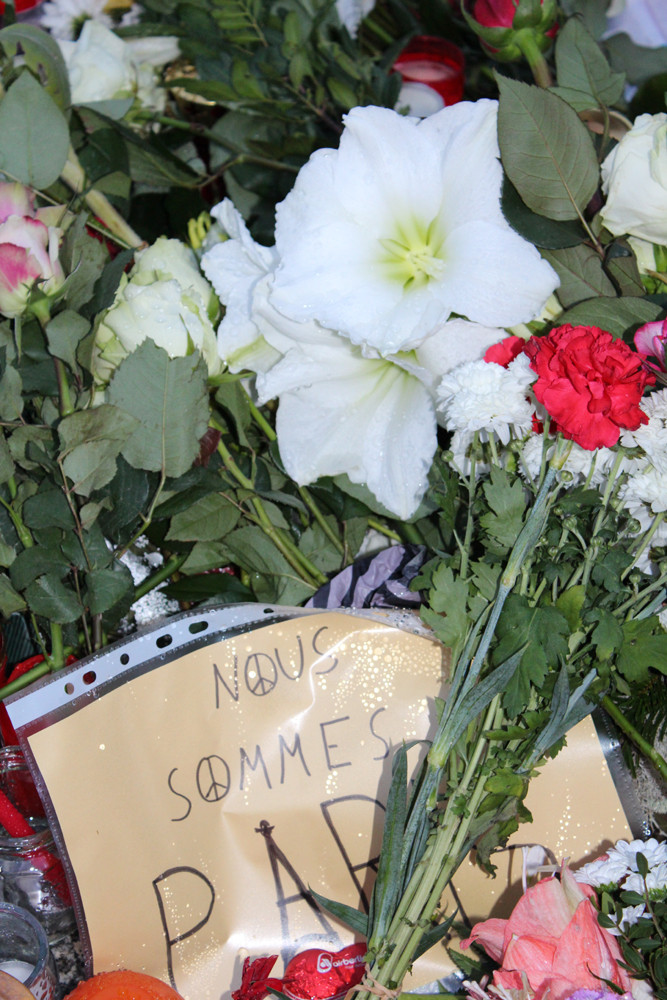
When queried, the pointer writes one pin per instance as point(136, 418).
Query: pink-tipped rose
point(554, 940)
point(651, 341)
point(29, 243)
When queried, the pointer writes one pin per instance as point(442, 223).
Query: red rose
point(498, 13)
point(589, 382)
point(504, 352)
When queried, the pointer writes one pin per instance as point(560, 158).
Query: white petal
point(341, 413)
point(385, 237)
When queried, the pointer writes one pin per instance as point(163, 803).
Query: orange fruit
point(123, 985)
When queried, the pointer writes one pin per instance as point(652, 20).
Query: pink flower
point(650, 341)
point(29, 241)
point(554, 940)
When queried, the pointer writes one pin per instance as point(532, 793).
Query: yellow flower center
point(414, 256)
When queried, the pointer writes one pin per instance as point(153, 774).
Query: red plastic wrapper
point(324, 975)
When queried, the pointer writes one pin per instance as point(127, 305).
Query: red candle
point(435, 63)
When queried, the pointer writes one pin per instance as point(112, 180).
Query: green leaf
point(388, 882)
point(644, 648)
point(48, 509)
point(83, 259)
point(637, 61)
point(447, 613)
point(10, 601)
point(107, 284)
point(91, 441)
point(34, 561)
point(271, 576)
point(208, 519)
point(107, 586)
point(49, 597)
point(27, 115)
point(543, 631)
point(607, 636)
point(7, 467)
point(145, 385)
point(581, 274)
point(582, 67)
point(11, 395)
point(537, 229)
point(508, 504)
point(355, 919)
point(64, 333)
point(546, 150)
point(570, 603)
point(612, 314)
point(42, 55)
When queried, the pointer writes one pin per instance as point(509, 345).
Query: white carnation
point(651, 437)
point(488, 399)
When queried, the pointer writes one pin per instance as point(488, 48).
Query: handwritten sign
point(202, 787)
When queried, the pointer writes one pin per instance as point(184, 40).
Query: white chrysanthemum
point(586, 466)
point(646, 486)
point(656, 880)
point(604, 871)
point(651, 437)
point(488, 399)
point(385, 237)
point(65, 18)
point(655, 852)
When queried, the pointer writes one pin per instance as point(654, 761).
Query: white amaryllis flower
point(235, 267)
point(369, 417)
point(385, 237)
point(634, 179)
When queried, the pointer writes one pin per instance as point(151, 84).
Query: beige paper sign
point(202, 797)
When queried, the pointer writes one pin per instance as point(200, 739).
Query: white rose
point(99, 65)
point(102, 66)
point(165, 298)
point(634, 179)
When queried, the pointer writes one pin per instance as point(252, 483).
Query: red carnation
point(504, 352)
point(589, 382)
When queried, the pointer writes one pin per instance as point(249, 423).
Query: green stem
point(25, 679)
point(320, 518)
point(626, 727)
point(172, 564)
point(74, 176)
point(441, 858)
point(240, 155)
point(383, 529)
point(535, 59)
point(56, 660)
point(470, 520)
point(646, 541)
point(25, 537)
point(305, 569)
point(65, 397)
point(18, 336)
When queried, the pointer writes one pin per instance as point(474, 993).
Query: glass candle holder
point(435, 63)
point(24, 952)
point(31, 872)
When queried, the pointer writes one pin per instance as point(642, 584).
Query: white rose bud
point(165, 298)
point(634, 179)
